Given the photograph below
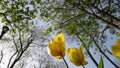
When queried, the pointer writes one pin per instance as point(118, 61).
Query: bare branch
point(21, 44)
point(11, 59)
point(15, 44)
point(1, 56)
point(29, 41)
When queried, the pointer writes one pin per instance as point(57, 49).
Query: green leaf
point(32, 2)
point(34, 66)
point(101, 63)
point(89, 44)
point(3, 20)
point(48, 30)
point(5, 39)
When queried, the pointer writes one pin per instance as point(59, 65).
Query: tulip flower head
point(116, 49)
point(56, 47)
point(76, 56)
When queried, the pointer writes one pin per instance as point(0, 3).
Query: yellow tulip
point(116, 49)
point(117, 42)
point(76, 56)
point(56, 47)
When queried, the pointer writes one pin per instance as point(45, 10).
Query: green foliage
point(101, 63)
point(89, 45)
point(48, 30)
point(112, 31)
point(83, 18)
point(34, 66)
point(17, 15)
point(5, 39)
point(78, 18)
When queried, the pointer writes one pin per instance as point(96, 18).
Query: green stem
point(83, 66)
point(65, 62)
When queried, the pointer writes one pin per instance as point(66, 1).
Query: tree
point(20, 17)
point(86, 21)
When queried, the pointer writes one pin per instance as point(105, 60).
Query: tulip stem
point(83, 66)
point(65, 62)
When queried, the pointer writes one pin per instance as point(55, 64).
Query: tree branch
point(104, 53)
point(15, 44)
point(99, 18)
point(95, 62)
point(65, 22)
point(81, 7)
point(101, 50)
point(1, 56)
point(22, 52)
point(21, 44)
point(11, 59)
point(105, 13)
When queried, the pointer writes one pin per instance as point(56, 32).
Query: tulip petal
point(56, 47)
point(117, 42)
point(116, 51)
point(76, 56)
point(60, 37)
point(84, 62)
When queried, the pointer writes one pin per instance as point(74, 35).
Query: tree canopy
point(32, 23)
